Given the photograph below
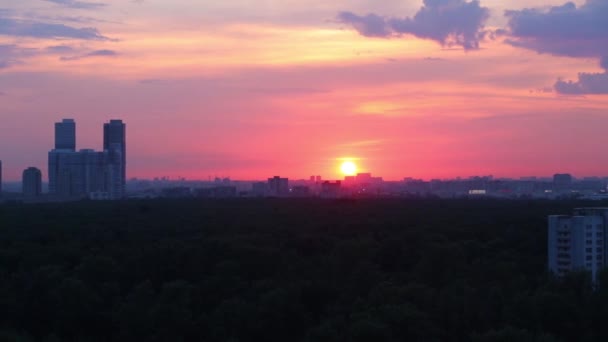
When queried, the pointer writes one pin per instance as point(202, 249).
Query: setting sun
point(348, 168)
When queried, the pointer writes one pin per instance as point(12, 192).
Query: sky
point(251, 89)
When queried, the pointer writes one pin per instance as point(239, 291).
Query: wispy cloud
point(43, 30)
point(59, 49)
point(77, 4)
point(11, 54)
point(96, 53)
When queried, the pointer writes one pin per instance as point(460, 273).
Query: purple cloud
point(35, 29)
point(448, 22)
point(588, 83)
point(11, 54)
point(77, 4)
point(96, 53)
point(562, 30)
point(566, 30)
point(59, 49)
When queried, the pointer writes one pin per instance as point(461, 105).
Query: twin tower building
point(87, 173)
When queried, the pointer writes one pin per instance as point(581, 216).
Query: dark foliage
point(289, 270)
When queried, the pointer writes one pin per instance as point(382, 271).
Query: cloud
point(448, 22)
point(77, 4)
point(59, 49)
point(587, 83)
point(96, 53)
point(11, 54)
point(566, 30)
point(36, 29)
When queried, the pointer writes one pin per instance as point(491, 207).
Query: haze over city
point(247, 90)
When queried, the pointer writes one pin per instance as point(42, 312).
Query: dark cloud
point(96, 53)
point(35, 29)
point(78, 4)
point(448, 22)
point(566, 30)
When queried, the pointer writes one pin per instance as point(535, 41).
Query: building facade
point(577, 242)
point(32, 183)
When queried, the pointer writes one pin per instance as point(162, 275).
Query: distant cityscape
point(102, 175)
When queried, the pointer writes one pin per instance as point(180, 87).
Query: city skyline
point(249, 90)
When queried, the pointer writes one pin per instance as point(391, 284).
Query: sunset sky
point(251, 89)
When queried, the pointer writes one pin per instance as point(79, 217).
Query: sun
point(348, 168)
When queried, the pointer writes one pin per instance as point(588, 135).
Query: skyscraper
point(32, 182)
point(65, 135)
point(0, 178)
point(115, 140)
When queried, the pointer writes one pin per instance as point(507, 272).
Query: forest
point(290, 270)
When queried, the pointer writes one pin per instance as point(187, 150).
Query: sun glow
point(348, 168)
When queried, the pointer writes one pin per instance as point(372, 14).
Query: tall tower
point(0, 178)
point(65, 144)
point(115, 140)
point(65, 135)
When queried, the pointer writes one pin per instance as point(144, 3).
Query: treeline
point(289, 270)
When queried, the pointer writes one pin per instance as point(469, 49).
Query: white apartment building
point(577, 242)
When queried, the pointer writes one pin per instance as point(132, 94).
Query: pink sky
point(254, 89)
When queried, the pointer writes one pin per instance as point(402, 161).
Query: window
point(599, 234)
point(589, 250)
point(589, 242)
point(589, 257)
point(589, 235)
point(599, 257)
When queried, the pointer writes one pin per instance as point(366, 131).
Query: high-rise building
point(0, 178)
point(65, 135)
point(115, 139)
point(577, 242)
point(32, 182)
point(88, 173)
